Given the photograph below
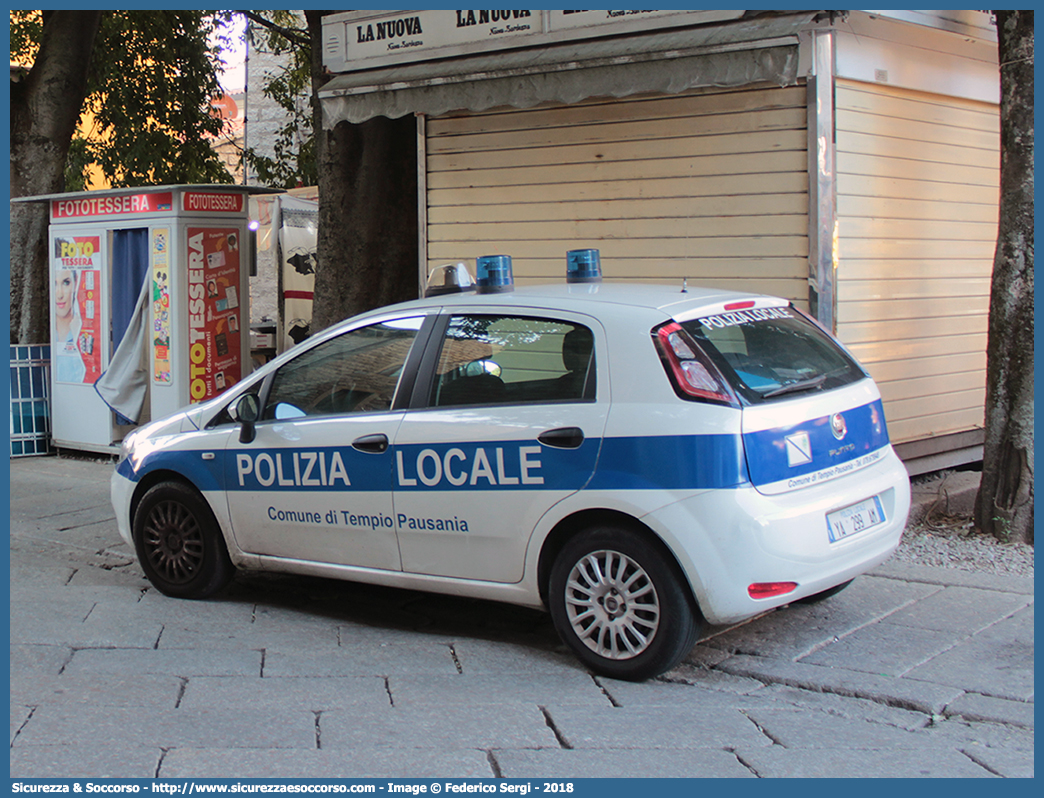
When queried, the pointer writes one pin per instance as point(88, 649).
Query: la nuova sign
point(358, 40)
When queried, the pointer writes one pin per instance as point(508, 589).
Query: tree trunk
point(44, 112)
point(1004, 505)
point(366, 254)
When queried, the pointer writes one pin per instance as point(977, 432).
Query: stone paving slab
point(481, 656)
point(86, 540)
point(643, 728)
point(662, 763)
point(38, 578)
point(492, 689)
point(138, 690)
point(973, 707)
point(844, 763)
point(438, 727)
point(78, 623)
point(314, 637)
point(1006, 763)
point(39, 658)
point(85, 761)
point(290, 693)
point(696, 689)
point(963, 611)
point(19, 715)
point(783, 696)
point(113, 597)
point(911, 694)
point(175, 662)
point(963, 735)
point(359, 763)
point(376, 659)
point(883, 649)
point(129, 727)
point(997, 661)
point(796, 728)
point(120, 571)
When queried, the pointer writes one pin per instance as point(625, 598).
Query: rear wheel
point(179, 543)
point(620, 604)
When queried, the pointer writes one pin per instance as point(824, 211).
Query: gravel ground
point(954, 543)
point(949, 539)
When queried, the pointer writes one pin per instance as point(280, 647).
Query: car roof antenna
point(685, 285)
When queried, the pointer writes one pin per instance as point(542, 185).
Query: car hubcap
point(173, 542)
point(612, 605)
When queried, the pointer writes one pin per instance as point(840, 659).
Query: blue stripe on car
point(665, 462)
point(767, 457)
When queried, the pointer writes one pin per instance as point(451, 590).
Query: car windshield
point(773, 353)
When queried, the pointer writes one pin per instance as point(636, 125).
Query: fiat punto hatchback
point(636, 459)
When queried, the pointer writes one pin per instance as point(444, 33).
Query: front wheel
point(179, 543)
point(621, 605)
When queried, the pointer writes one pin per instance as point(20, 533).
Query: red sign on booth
point(215, 315)
point(123, 204)
point(212, 202)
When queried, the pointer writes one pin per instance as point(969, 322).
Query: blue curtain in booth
point(130, 267)
point(122, 385)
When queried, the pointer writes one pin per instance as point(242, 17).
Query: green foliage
point(77, 165)
point(26, 31)
point(293, 161)
point(153, 75)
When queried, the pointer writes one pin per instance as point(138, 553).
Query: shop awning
point(763, 49)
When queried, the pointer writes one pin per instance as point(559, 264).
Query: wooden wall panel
point(918, 189)
point(708, 186)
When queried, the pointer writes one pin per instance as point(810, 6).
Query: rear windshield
point(772, 353)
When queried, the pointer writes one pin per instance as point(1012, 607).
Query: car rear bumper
point(727, 540)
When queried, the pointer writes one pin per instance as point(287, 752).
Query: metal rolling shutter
point(918, 178)
point(708, 185)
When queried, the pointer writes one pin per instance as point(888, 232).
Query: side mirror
point(246, 411)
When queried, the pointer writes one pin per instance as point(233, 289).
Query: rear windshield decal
point(745, 317)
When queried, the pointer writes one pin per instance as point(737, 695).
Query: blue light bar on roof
point(493, 274)
point(583, 266)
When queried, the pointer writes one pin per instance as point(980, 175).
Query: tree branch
point(295, 37)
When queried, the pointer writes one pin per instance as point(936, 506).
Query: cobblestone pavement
point(912, 671)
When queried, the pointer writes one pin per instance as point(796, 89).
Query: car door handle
point(562, 438)
point(371, 444)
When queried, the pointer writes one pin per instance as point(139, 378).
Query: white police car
point(636, 459)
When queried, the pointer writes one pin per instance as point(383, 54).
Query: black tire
point(621, 604)
point(179, 543)
point(815, 598)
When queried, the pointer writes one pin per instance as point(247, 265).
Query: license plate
point(855, 518)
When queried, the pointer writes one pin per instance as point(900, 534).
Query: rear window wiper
point(797, 386)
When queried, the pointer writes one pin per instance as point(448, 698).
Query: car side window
point(356, 372)
point(513, 360)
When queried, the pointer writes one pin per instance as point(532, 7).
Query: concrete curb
point(953, 577)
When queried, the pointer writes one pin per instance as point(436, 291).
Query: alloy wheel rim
point(173, 542)
point(612, 605)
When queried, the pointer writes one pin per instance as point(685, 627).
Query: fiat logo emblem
point(838, 426)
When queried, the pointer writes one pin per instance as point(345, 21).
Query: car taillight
point(762, 590)
point(694, 376)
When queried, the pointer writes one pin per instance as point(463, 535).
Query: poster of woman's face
point(66, 281)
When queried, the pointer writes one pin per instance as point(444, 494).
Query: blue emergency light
point(493, 274)
point(583, 266)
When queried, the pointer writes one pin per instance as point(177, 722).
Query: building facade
point(848, 161)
